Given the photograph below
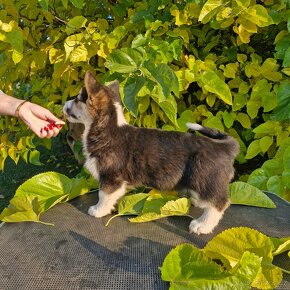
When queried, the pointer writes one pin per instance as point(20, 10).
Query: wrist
point(20, 108)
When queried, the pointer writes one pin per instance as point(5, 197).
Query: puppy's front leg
point(108, 197)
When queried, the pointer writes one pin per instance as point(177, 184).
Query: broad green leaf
point(253, 150)
point(40, 193)
point(169, 107)
point(247, 194)
point(124, 61)
point(265, 143)
point(177, 207)
point(257, 14)
point(72, 42)
point(213, 84)
point(209, 9)
point(187, 267)
point(275, 184)
point(230, 245)
point(21, 209)
point(75, 23)
point(44, 4)
point(34, 156)
point(166, 77)
point(244, 120)
point(282, 112)
point(131, 90)
point(15, 38)
point(159, 206)
point(229, 118)
point(240, 100)
point(282, 46)
point(77, 3)
point(132, 204)
point(258, 178)
point(286, 158)
point(267, 128)
point(214, 122)
point(281, 245)
point(80, 53)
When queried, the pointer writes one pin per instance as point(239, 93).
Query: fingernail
point(59, 123)
point(41, 131)
point(45, 129)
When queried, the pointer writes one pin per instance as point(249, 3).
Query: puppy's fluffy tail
point(232, 144)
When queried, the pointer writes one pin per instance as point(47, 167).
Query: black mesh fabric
point(79, 252)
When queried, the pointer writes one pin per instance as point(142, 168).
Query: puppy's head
point(91, 98)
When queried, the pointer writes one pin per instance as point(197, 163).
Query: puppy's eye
point(76, 100)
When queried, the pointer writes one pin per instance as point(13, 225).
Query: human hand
point(40, 120)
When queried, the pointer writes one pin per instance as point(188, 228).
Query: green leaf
point(34, 156)
point(44, 4)
point(80, 53)
point(77, 3)
point(265, 143)
point(38, 194)
point(164, 76)
point(230, 245)
point(213, 84)
point(15, 38)
point(286, 158)
point(169, 107)
point(282, 112)
point(253, 149)
point(160, 206)
point(124, 60)
point(187, 267)
point(281, 245)
point(258, 178)
point(209, 9)
point(244, 120)
point(131, 90)
point(229, 118)
point(132, 204)
point(275, 184)
point(247, 194)
point(75, 23)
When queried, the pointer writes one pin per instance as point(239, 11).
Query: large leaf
point(159, 206)
point(187, 267)
point(209, 9)
point(131, 90)
point(213, 84)
point(282, 112)
point(75, 23)
point(247, 194)
point(124, 60)
point(39, 193)
point(230, 245)
point(165, 77)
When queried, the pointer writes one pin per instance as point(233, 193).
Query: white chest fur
point(91, 163)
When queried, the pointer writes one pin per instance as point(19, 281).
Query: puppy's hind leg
point(108, 197)
point(210, 218)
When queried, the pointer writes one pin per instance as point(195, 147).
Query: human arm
point(40, 120)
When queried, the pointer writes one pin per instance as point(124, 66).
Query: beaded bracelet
point(19, 107)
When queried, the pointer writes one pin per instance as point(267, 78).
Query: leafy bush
point(224, 64)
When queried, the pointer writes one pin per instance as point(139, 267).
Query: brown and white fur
point(120, 155)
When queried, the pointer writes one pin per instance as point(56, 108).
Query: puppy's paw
point(200, 227)
point(98, 212)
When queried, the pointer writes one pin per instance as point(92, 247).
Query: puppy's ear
point(115, 88)
point(91, 84)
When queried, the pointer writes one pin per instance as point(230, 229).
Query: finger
point(51, 118)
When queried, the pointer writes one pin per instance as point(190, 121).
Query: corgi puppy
point(120, 155)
